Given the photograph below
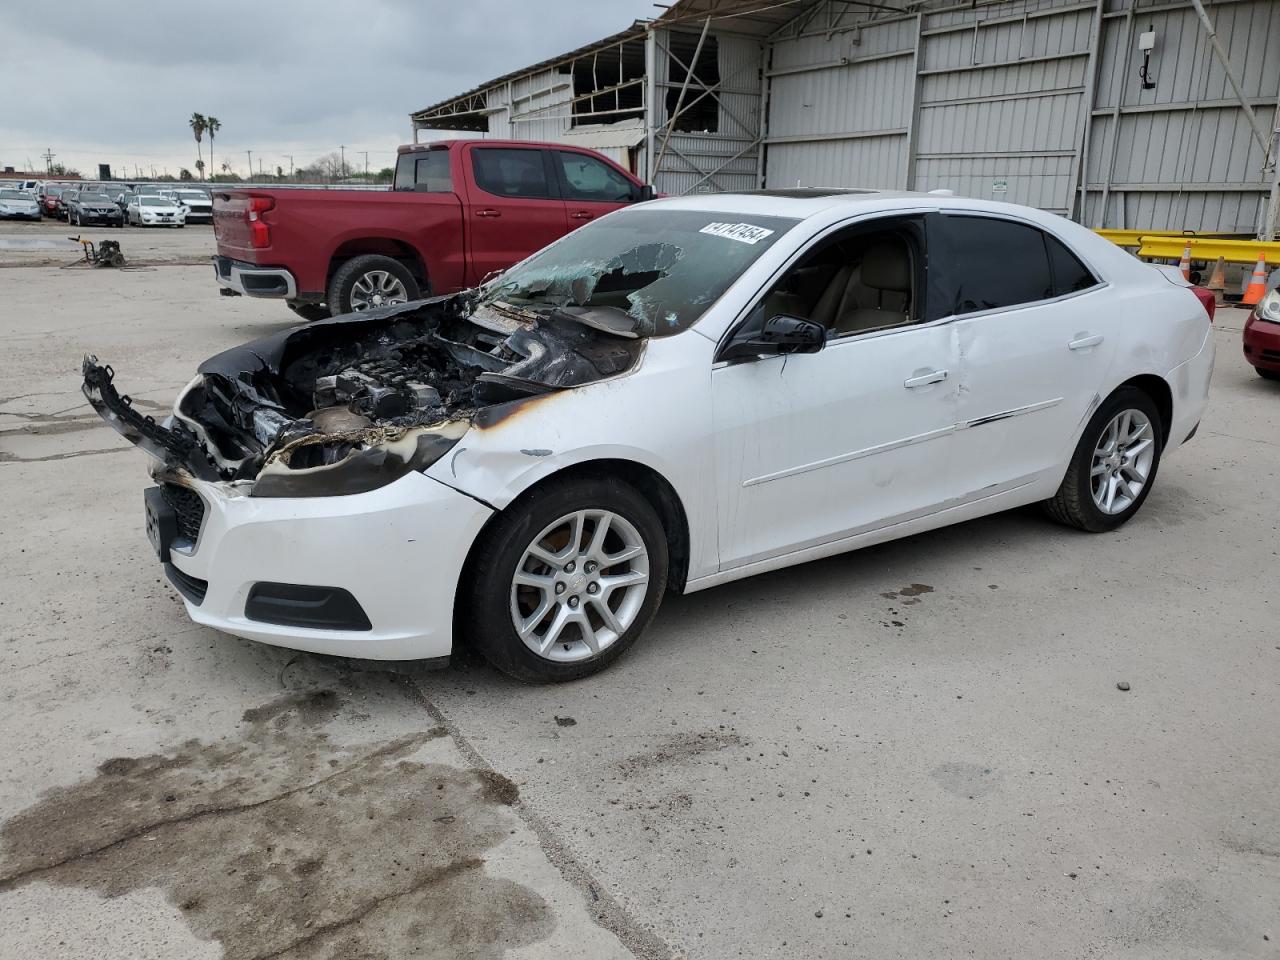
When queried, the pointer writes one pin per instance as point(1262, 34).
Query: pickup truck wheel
point(369, 281)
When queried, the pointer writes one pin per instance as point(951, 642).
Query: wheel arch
point(651, 484)
point(398, 250)
point(1161, 394)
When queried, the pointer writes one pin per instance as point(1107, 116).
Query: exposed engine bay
point(352, 403)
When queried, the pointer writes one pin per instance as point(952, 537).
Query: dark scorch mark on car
point(281, 843)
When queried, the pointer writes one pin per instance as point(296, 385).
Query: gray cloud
point(116, 83)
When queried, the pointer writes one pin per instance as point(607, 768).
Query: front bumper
point(250, 280)
point(398, 551)
point(107, 218)
point(1261, 343)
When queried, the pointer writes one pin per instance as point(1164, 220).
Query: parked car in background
point(50, 203)
point(19, 205)
point(678, 395)
point(199, 204)
point(459, 211)
point(145, 210)
point(88, 206)
point(121, 197)
point(1261, 333)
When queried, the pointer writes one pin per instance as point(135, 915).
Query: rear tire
point(587, 577)
point(1114, 464)
point(363, 279)
point(1268, 374)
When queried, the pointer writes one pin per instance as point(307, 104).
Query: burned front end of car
point(353, 403)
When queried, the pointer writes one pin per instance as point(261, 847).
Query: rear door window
point(427, 172)
point(990, 263)
point(512, 172)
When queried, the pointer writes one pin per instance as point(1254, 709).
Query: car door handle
point(934, 376)
point(1085, 343)
point(488, 212)
point(580, 215)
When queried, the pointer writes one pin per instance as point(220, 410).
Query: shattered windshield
point(652, 272)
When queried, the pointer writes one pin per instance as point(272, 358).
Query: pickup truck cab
point(458, 211)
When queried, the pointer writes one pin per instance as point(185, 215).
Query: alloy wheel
point(580, 585)
point(377, 288)
point(1122, 461)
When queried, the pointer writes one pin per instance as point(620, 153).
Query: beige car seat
point(872, 295)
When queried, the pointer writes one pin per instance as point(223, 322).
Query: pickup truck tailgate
point(231, 228)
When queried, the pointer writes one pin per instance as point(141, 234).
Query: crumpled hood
point(355, 401)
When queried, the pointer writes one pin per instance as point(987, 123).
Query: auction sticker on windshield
point(742, 232)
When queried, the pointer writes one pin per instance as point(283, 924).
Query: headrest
point(886, 266)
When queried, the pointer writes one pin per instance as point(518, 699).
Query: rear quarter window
point(1069, 274)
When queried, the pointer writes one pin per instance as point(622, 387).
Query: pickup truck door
point(591, 187)
point(512, 208)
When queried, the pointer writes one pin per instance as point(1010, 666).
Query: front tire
point(1114, 464)
point(560, 585)
point(370, 281)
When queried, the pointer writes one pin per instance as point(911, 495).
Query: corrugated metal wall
point(990, 100)
point(728, 158)
point(1183, 152)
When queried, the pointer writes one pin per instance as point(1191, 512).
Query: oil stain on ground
point(280, 843)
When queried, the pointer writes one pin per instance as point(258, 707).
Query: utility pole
point(250, 153)
point(366, 163)
point(290, 156)
point(48, 160)
point(343, 148)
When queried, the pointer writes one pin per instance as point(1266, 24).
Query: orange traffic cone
point(1218, 278)
point(1185, 264)
point(1257, 288)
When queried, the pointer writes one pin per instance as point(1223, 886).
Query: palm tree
point(213, 125)
point(200, 167)
point(198, 125)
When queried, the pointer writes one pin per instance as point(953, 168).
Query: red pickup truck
point(458, 211)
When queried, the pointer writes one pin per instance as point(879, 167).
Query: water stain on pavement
point(280, 843)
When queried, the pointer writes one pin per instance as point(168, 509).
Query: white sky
point(117, 83)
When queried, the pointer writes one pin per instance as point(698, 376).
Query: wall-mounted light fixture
point(1147, 43)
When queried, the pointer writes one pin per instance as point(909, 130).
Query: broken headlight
point(338, 465)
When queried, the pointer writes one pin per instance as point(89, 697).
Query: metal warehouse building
point(1118, 113)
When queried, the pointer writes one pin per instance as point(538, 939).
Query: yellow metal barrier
point(1133, 238)
point(1207, 249)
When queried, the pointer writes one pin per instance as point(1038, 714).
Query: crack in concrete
point(421, 882)
point(11, 458)
point(401, 745)
point(644, 944)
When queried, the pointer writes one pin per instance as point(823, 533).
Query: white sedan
point(151, 211)
point(680, 394)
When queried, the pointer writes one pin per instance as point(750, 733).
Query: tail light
point(1207, 300)
point(259, 232)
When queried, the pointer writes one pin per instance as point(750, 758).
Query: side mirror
point(646, 192)
point(780, 334)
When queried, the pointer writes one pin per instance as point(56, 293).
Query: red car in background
point(51, 201)
point(1262, 332)
point(458, 211)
